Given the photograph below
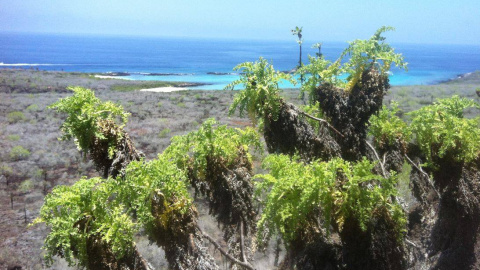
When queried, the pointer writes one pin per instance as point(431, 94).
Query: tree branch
point(378, 158)
point(425, 174)
point(242, 246)
point(323, 121)
point(411, 243)
point(224, 253)
point(144, 265)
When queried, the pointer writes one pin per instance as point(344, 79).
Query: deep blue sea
point(202, 60)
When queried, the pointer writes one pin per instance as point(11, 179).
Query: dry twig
point(378, 158)
point(322, 121)
point(425, 174)
point(224, 253)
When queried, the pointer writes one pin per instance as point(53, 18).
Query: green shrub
point(18, 153)
point(164, 133)
point(364, 54)
point(33, 108)
point(337, 189)
point(261, 93)
point(6, 170)
point(13, 137)
point(143, 179)
point(181, 105)
point(441, 129)
point(88, 201)
point(84, 113)
point(211, 140)
point(107, 206)
point(26, 186)
point(14, 117)
point(387, 128)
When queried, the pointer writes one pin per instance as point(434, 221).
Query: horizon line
point(132, 35)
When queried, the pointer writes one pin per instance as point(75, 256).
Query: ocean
point(211, 61)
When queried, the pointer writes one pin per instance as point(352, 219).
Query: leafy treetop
point(76, 213)
point(262, 93)
point(387, 128)
point(372, 53)
point(84, 111)
point(440, 129)
point(145, 179)
point(211, 140)
point(298, 32)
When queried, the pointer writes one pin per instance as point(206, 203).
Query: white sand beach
point(110, 77)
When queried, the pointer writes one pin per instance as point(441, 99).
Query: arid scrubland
point(33, 160)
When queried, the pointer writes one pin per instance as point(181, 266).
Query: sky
point(416, 21)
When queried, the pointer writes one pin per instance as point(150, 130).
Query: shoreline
point(59, 80)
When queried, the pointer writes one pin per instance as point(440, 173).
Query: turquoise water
point(198, 60)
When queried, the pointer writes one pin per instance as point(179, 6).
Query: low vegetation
point(19, 152)
point(14, 117)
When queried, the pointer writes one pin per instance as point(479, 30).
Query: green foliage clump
point(103, 209)
point(84, 113)
point(32, 108)
point(6, 170)
point(13, 137)
point(337, 189)
point(210, 141)
point(261, 93)
point(81, 212)
point(388, 129)
point(19, 152)
point(26, 186)
point(441, 129)
point(164, 133)
point(143, 180)
point(373, 53)
point(320, 70)
point(14, 117)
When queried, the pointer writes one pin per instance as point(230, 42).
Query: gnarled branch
point(425, 174)
point(224, 253)
point(322, 121)
point(378, 158)
point(242, 245)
